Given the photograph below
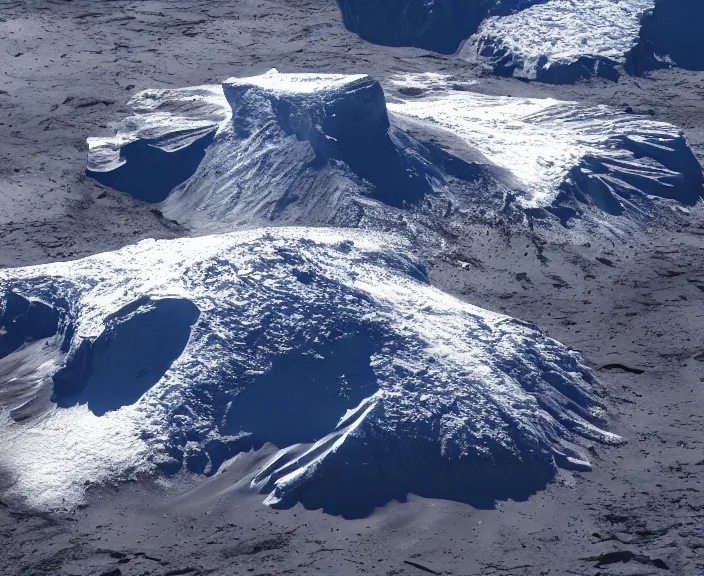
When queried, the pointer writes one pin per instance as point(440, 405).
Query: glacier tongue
point(162, 144)
point(438, 25)
point(329, 344)
point(564, 151)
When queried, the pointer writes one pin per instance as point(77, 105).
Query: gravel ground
point(631, 302)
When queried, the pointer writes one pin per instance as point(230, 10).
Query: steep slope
point(273, 148)
point(554, 41)
point(439, 25)
point(670, 35)
point(322, 149)
point(565, 156)
point(330, 345)
point(301, 148)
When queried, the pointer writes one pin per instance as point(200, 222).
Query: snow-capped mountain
point(323, 149)
point(312, 149)
point(302, 148)
point(329, 344)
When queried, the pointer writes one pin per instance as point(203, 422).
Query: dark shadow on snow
point(370, 472)
point(437, 25)
point(607, 183)
point(137, 347)
point(306, 391)
point(353, 126)
point(24, 321)
point(670, 34)
point(151, 173)
point(505, 63)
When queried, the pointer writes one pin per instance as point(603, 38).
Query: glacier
point(552, 41)
point(326, 347)
point(438, 25)
point(329, 150)
point(559, 41)
point(559, 151)
point(329, 344)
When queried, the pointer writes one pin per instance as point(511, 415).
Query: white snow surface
point(265, 163)
point(172, 117)
point(488, 394)
point(541, 140)
point(305, 83)
point(561, 31)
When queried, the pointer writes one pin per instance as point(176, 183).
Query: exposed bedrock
point(670, 35)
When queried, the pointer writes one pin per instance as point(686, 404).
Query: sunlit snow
point(297, 83)
point(558, 32)
point(324, 342)
point(172, 116)
point(540, 141)
point(314, 149)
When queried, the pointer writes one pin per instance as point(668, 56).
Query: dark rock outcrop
point(437, 25)
point(670, 36)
